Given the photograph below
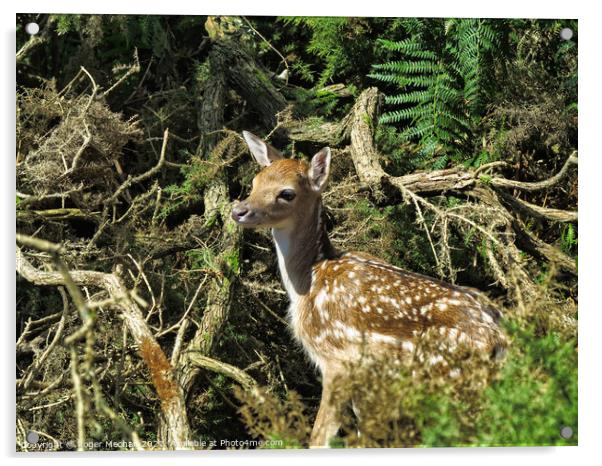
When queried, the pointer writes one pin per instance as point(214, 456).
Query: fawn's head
point(284, 190)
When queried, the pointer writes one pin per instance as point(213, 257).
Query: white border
point(590, 387)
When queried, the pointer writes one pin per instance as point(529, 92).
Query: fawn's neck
point(299, 247)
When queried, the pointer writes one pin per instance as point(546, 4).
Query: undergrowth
point(524, 399)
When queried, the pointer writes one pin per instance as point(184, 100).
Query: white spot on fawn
point(408, 346)
point(380, 338)
point(435, 359)
point(321, 298)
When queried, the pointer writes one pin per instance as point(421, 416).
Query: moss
point(231, 259)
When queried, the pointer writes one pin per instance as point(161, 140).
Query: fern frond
point(413, 67)
point(440, 83)
point(413, 97)
point(409, 48)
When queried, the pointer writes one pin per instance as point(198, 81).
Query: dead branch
point(236, 374)
point(533, 210)
point(27, 199)
point(143, 176)
point(537, 185)
point(132, 69)
point(58, 214)
point(33, 43)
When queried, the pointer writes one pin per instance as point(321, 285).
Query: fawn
point(346, 304)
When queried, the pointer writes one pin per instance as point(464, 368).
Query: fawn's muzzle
point(242, 214)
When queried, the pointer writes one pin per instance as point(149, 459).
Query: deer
point(346, 304)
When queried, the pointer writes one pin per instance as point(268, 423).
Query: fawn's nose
point(239, 211)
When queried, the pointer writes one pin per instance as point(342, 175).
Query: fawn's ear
point(263, 152)
point(319, 169)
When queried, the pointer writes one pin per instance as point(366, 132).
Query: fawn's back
point(360, 305)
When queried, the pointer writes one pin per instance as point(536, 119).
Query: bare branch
point(533, 210)
point(135, 68)
point(144, 176)
point(537, 185)
point(31, 44)
point(220, 367)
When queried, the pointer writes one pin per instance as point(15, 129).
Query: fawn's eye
point(287, 195)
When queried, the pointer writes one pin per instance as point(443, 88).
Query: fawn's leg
point(328, 419)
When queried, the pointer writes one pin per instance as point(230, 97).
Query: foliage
point(536, 395)
point(339, 44)
point(443, 78)
point(568, 238)
point(269, 418)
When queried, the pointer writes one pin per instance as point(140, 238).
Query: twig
point(148, 287)
point(132, 69)
point(37, 364)
point(93, 93)
point(32, 198)
point(220, 367)
point(79, 401)
point(537, 185)
point(183, 323)
point(489, 166)
point(77, 76)
point(428, 234)
point(139, 178)
point(272, 47)
point(82, 148)
point(126, 101)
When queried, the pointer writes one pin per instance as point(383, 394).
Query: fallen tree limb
point(533, 210)
point(326, 133)
point(542, 250)
point(537, 185)
point(58, 214)
point(236, 374)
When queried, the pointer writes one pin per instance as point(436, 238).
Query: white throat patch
point(283, 249)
